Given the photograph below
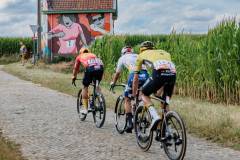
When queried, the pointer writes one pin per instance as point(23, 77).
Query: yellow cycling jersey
point(158, 59)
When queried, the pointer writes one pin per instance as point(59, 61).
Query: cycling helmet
point(126, 49)
point(146, 45)
point(84, 50)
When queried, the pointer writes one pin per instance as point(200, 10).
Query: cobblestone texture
point(46, 125)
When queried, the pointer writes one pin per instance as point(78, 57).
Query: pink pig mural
point(68, 31)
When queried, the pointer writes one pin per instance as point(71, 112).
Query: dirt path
point(46, 125)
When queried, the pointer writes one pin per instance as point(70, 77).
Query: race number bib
point(94, 62)
point(162, 64)
point(70, 43)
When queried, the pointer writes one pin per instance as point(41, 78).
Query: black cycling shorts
point(160, 78)
point(91, 75)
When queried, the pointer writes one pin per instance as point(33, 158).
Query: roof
point(76, 6)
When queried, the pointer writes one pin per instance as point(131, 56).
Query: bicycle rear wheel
point(120, 115)
point(100, 110)
point(142, 122)
point(174, 138)
point(82, 117)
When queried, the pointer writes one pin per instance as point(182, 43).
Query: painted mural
point(67, 33)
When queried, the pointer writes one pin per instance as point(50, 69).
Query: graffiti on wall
point(67, 33)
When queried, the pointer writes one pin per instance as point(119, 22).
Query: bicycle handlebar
point(117, 85)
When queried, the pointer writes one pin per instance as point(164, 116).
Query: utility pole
point(39, 28)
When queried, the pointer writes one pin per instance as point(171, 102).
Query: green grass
point(216, 122)
point(9, 59)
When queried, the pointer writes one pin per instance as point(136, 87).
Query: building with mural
point(67, 25)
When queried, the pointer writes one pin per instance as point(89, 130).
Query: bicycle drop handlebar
point(117, 85)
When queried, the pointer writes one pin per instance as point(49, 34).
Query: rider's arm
point(118, 71)
point(139, 63)
point(115, 77)
point(76, 67)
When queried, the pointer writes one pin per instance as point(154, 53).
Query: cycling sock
point(153, 112)
point(85, 103)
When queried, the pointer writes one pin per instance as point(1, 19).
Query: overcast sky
point(135, 16)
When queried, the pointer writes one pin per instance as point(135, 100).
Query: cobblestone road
point(46, 125)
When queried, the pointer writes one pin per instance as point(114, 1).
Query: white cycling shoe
point(155, 118)
point(84, 111)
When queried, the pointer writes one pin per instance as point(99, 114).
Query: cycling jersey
point(157, 59)
point(128, 61)
point(88, 60)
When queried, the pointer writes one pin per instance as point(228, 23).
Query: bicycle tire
point(175, 136)
point(120, 111)
point(100, 109)
point(79, 106)
point(144, 142)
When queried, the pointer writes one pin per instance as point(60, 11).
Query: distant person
point(23, 53)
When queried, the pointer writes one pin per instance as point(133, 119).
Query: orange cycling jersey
point(88, 60)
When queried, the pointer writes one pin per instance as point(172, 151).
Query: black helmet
point(146, 45)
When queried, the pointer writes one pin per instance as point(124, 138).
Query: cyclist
point(163, 74)
point(128, 60)
point(93, 71)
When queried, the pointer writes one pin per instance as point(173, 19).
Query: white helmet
point(126, 49)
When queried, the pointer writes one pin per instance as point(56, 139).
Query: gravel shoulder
point(46, 125)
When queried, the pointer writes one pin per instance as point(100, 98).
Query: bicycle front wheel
point(82, 117)
point(100, 110)
point(142, 122)
point(120, 115)
point(174, 138)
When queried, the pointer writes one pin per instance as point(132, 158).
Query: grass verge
point(215, 122)
point(9, 150)
point(8, 59)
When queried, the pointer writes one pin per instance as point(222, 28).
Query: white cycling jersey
point(128, 61)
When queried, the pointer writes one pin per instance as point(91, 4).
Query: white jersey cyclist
point(128, 60)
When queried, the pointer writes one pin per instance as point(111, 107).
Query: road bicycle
point(120, 115)
point(96, 105)
point(171, 132)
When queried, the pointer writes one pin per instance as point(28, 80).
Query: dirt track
point(46, 125)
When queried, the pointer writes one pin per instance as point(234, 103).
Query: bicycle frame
point(136, 100)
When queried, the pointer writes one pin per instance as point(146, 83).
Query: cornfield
point(10, 46)
point(208, 66)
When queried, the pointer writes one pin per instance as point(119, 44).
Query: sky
point(134, 17)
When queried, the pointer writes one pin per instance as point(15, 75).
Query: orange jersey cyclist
point(163, 74)
point(128, 60)
point(93, 71)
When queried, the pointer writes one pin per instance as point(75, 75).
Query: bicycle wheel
point(82, 117)
point(100, 110)
point(120, 115)
point(142, 122)
point(174, 139)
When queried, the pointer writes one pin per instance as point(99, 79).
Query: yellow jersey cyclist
point(163, 74)
point(128, 60)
